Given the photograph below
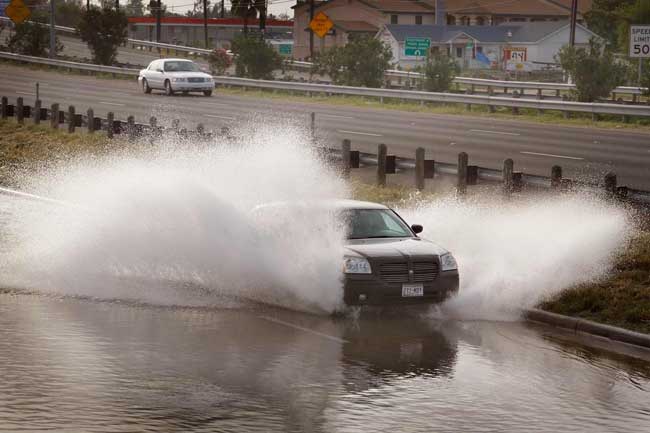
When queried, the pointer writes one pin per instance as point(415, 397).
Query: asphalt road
point(584, 153)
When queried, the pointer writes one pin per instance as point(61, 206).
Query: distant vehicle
point(175, 75)
point(385, 262)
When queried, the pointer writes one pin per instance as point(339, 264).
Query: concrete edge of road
point(588, 327)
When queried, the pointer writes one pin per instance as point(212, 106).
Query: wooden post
point(176, 124)
point(36, 115)
point(610, 183)
point(419, 168)
point(153, 122)
point(556, 177)
point(20, 112)
point(508, 168)
point(71, 122)
point(3, 108)
point(200, 129)
point(381, 164)
point(539, 94)
point(312, 126)
point(517, 181)
point(54, 117)
point(130, 127)
point(110, 118)
point(461, 187)
point(345, 153)
point(472, 175)
point(91, 120)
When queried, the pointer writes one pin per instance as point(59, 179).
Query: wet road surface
point(79, 365)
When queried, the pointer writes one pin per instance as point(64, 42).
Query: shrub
point(254, 58)
point(104, 29)
point(219, 61)
point(439, 72)
point(32, 39)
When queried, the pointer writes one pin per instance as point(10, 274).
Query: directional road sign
point(17, 11)
point(321, 24)
point(417, 47)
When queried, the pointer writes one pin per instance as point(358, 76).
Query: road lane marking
point(302, 328)
point(552, 155)
point(485, 131)
point(214, 116)
point(342, 131)
point(336, 116)
point(26, 93)
point(112, 103)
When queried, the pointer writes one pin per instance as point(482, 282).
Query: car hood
point(393, 248)
point(188, 74)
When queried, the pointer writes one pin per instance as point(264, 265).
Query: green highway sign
point(417, 47)
point(285, 49)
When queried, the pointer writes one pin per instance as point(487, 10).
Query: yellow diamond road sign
point(321, 24)
point(17, 11)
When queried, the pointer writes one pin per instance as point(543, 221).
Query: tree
point(32, 39)
point(361, 62)
point(439, 72)
point(245, 9)
point(103, 29)
point(254, 58)
point(604, 16)
point(636, 13)
point(135, 8)
point(594, 70)
point(219, 61)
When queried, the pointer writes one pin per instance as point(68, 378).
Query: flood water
point(79, 365)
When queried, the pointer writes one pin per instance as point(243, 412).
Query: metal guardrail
point(420, 96)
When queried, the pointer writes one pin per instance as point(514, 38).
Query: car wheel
point(207, 92)
point(145, 86)
point(168, 88)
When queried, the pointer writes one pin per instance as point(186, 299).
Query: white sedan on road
point(175, 75)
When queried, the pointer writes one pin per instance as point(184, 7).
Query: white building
point(525, 46)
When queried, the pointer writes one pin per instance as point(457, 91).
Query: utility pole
point(205, 22)
point(52, 31)
point(574, 18)
point(117, 5)
point(158, 19)
point(223, 8)
point(87, 5)
point(311, 32)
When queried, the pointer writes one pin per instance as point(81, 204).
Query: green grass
point(531, 115)
point(622, 299)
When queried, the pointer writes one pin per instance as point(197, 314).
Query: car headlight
point(208, 80)
point(356, 265)
point(179, 80)
point(448, 262)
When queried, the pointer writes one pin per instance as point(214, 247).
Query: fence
point(386, 163)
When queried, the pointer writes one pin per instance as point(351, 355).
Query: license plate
point(411, 290)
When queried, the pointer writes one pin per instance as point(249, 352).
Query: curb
point(588, 327)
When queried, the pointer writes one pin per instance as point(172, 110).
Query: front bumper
point(192, 87)
point(378, 292)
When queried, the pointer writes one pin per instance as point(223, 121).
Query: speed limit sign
point(639, 41)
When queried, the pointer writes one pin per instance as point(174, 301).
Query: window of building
point(459, 51)
point(418, 20)
point(393, 19)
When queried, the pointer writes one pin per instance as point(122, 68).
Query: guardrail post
point(461, 187)
point(130, 127)
point(472, 174)
point(20, 111)
point(505, 90)
point(610, 183)
point(556, 177)
point(200, 129)
point(153, 122)
point(419, 168)
point(36, 114)
point(557, 93)
point(91, 120)
point(3, 108)
point(110, 119)
point(54, 116)
point(508, 169)
point(594, 117)
point(345, 153)
point(71, 119)
point(613, 96)
point(391, 164)
point(490, 91)
point(312, 126)
point(381, 164)
point(539, 94)
point(516, 95)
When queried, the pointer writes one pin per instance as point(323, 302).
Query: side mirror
point(417, 228)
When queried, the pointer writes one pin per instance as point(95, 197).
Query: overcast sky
point(275, 6)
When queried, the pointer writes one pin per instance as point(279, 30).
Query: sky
point(275, 6)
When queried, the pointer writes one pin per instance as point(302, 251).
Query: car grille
point(399, 272)
point(195, 80)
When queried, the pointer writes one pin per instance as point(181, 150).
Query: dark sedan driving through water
point(388, 263)
point(385, 261)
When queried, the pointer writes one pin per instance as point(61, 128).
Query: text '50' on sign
point(321, 24)
point(639, 41)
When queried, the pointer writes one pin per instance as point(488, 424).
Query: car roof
point(177, 60)
point(324, 204)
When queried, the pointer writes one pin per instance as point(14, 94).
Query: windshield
point(181, 66)
point(375, 223)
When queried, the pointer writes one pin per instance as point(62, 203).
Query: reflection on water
point(73, 365)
